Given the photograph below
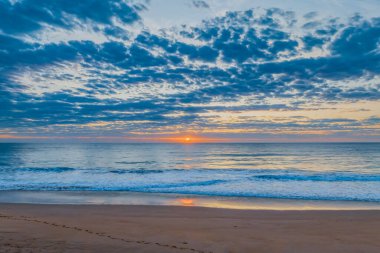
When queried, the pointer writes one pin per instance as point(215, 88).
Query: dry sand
point(106, 228)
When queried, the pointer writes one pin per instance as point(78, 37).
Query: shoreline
point(148, 229)
point(170, 199)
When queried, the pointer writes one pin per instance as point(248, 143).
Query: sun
point(187, 139)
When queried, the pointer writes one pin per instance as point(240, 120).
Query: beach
point(136, 228)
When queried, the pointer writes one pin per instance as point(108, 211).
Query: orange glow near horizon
point(184, 139)
point(187, 139)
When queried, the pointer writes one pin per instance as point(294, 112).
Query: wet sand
point(116, 228)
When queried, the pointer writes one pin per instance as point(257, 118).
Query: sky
point(189, 70)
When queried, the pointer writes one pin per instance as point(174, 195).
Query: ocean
point(309, 171)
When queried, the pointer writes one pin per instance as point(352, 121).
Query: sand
point(107, 228)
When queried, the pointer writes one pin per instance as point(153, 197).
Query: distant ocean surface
point(331, 171)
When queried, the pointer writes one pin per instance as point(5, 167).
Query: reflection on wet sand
point(187, 201)
point(134, 198)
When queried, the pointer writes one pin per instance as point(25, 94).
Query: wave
point(186, 184)
point(266, 183)
point(251, 155)
point(143, 187)
point(174, 190)
point(328, 177)
point(247, 174)
point(136, 171)
point(143, 162)
point(44, 170)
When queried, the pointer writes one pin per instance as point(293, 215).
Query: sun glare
point(188, 139)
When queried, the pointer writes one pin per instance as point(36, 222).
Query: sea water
point(315, 171)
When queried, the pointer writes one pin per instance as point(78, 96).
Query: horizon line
point(185, 143)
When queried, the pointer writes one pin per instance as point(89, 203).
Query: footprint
point(30, 219)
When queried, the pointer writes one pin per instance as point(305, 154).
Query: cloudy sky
point(216, 70)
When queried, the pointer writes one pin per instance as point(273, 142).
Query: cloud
point(30, 15)
point(250, 59)
point(200, 4)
